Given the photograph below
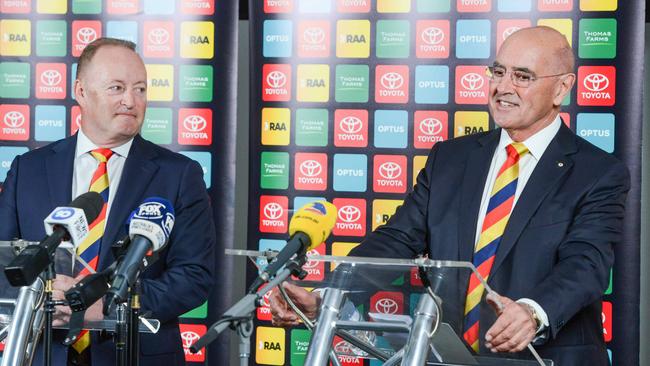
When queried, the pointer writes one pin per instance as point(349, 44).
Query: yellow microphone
point(316, 220)
point(308, 228)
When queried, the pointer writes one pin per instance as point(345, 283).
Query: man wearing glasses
point(536, 208)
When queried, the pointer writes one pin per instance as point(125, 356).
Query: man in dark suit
point(111, 92)
point(553, 251)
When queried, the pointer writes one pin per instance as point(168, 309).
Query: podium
point(396, 311)
point(21, 308)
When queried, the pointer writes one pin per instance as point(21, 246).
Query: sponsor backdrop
point(189, 50)
point(348, 96)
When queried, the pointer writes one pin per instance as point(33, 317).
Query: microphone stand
point(49, 310)
point(240, 315)
point(121, 335)
point(133, 337)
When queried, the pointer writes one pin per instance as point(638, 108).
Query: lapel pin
point(560, 164)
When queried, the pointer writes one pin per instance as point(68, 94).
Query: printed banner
point(189, 49)
point(348, 96)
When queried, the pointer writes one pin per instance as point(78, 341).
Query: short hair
point(90, 50)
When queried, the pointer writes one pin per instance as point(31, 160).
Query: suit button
point(560, 324)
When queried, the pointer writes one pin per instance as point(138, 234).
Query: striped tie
point(498, 212)
point(88, 250)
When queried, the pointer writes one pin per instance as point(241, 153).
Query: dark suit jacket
point(557, 246)
point(180, 280)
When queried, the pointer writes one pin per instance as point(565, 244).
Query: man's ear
point(563, 88)
point(79, 92)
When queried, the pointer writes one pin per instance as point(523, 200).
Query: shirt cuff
point(540, 313)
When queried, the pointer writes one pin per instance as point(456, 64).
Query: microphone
point(308, 228)
point(64, 223)
point(149, 229)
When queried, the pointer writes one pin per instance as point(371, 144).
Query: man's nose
point(128, 98)
point(504, 84)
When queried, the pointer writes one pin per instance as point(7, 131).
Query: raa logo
point(197, 40)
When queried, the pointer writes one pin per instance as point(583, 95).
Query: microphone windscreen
point(91, 203)
point(315, 219)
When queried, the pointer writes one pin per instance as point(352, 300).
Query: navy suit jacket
point(556, 248)
point(180, 280)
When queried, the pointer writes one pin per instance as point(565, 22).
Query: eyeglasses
point(519, 78)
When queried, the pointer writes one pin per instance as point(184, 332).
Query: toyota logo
point(276, 79)
point(158, 36)
point(351, 124)
point(392, 80)
point(596, 82)
point(77, 120)
point(430, 126)
point(86, 35)
point(265, 299)
point(472, 81)
point(386, 306)
point(51, 77)
point(313, 35)
point(310, 168)
point(390, 170)
point(311, 263)
point(508, 31)
point(349, 213)
point(273, 210)
point(343, 347)
point(432, 35)
point(194, 123)
point(189, 338)
point(14, 119)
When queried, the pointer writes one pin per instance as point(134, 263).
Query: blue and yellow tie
point(88, 250)
point(498, 212)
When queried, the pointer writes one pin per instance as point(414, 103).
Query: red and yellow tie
point(88, 250)
point(498, 212)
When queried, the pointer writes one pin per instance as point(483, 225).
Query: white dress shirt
point(85, 165)
point(536, 145)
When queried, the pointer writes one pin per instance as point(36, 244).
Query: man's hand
point(515, 327)
point(60, 285)
point(283, 315)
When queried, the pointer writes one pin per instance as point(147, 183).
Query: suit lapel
point(138, 171)
point(476, 169)
point(553, 165)
point(59, 170)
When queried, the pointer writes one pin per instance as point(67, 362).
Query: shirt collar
point(84, 145)
point(536, 143)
